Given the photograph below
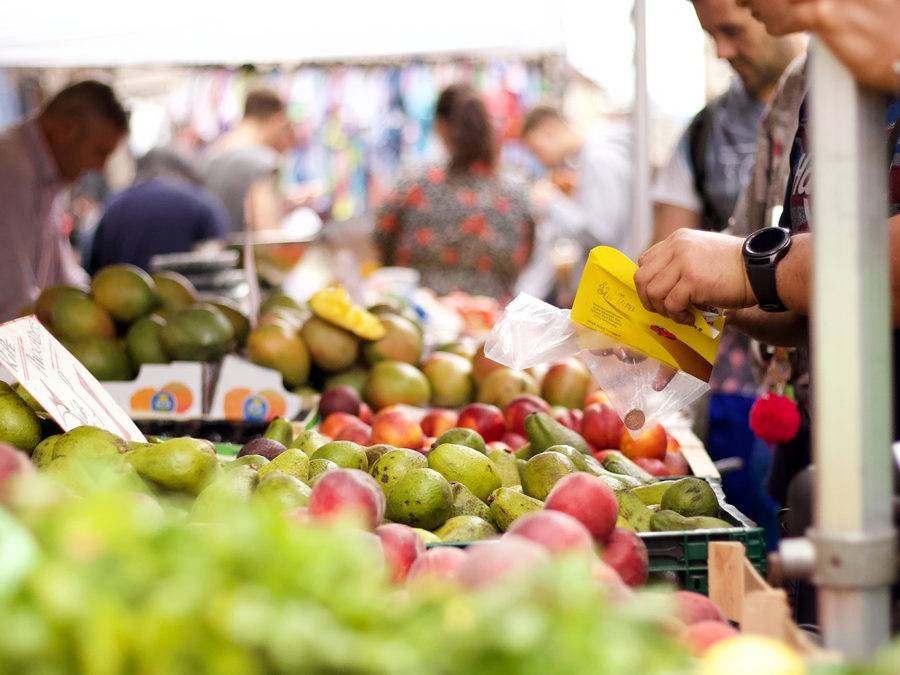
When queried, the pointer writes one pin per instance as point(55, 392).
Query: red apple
point(602, 426)
point(566, 383)
point(486, 419)
point(595, 394)
point(347, 493)
point(521, 407)
point(333, 424)
point(587, 499)
point(514, 441)
point(482, 366)
point(603, 454)
point(676, 464)
point(651, 443)
point(556, 531)
point(13, 463)
point(361, 434)
point(570, 418)
point(691, 608)
point(437, 421)
point(365, 412)
point(672, 445)
point(396, 428)
point(499, 445)
point(299, 514)
point(492, 562)
point(627, 554)
point(437, 565)
point(341, 398)
point(654, 467)
point(610, 579)
point(402, 545)
point(699, 637)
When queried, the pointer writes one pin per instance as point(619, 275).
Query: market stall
point(350, 474)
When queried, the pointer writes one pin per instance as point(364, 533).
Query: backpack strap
point(699, 132)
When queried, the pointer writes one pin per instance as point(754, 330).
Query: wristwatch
point(762, 251)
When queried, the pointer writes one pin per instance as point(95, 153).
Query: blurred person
point(698, 188)
point(165, 210)
point(464, 226)
point(76, 131)
point(241, 168)
point(864, 34)
point(700, 184)
point(587, 198)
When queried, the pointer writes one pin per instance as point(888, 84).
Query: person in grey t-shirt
point(241, 168)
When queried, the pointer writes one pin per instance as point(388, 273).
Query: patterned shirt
point(470, 232)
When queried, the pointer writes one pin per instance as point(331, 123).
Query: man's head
point(83, 124)
point(779, 16)
point(549, 136)
point(265, 110)
point(758, 58)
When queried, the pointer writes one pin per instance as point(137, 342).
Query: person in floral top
point(463, 226)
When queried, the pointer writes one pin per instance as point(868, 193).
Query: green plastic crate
point(686, 553)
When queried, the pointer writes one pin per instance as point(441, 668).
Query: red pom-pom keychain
point(774, 418)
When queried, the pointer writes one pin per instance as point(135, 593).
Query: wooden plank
point(693, 451)
point(726, 577)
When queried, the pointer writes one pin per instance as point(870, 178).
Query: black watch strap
point(762, 281)
point(762, 251)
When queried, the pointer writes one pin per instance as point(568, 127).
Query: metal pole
point(853, 536)
point(642, 219)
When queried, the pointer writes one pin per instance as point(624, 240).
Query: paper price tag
point(57, 380)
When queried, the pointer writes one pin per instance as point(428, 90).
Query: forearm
point(667, 218)
point(793, 273)
point(780, 329)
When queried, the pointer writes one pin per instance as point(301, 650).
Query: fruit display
point(300, 542)
point(130, 318)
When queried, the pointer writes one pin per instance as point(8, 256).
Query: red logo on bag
point(662, 332)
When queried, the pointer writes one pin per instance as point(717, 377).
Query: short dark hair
point(262, 103)
point(89, 97)
point(470, 134)
point(537, 116)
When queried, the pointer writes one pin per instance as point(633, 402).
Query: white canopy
point(104, 33)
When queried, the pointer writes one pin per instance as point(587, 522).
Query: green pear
point(465, 528)
point(292, 461)
point(467, 504)
point(230, 489)
point(281, 491)
point(179, 464)
point(508, 504)
point(90, 442)
point(309, 441)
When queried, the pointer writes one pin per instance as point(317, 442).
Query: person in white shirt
point(588, 197)
point(75, 132)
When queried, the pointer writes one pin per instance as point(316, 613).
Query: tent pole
point(641, 209)
point(852, 534)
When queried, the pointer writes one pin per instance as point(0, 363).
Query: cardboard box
point(162, 391)
point(246, 391)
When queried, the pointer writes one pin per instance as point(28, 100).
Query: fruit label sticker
point(246, 391)
point(57, 380)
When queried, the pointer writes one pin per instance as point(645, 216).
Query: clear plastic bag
point(641, 389)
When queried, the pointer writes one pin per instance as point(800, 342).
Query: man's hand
point(864, 34)
point(693, 267)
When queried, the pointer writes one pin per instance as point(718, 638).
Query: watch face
point(766, 241)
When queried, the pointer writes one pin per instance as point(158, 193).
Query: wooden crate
point(746, 599)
